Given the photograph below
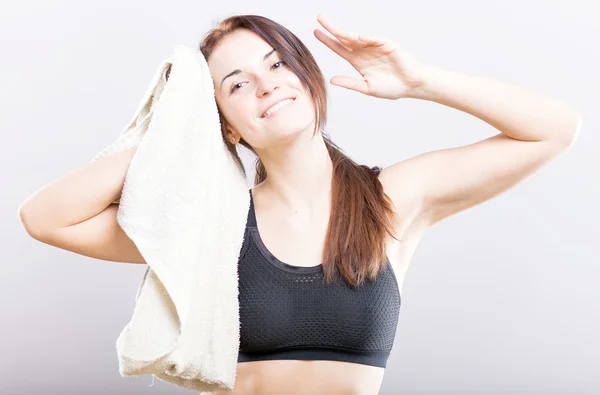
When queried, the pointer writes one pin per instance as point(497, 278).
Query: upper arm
point(98, 237)
point(447, 181)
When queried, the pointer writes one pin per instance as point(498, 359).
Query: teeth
point(276, 107)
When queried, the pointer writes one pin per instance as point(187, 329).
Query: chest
point(295, 242)
point(301, 244)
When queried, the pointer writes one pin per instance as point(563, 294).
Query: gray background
point(501, 299)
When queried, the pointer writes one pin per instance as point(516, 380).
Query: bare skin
point(302, 245)
point(305, 378)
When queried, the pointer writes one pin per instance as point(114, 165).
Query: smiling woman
point(305, 328)
point(317, 216)
point(257, 44)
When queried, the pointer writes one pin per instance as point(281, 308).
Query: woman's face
point(245, 95)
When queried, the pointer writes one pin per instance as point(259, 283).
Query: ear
point(229, 132)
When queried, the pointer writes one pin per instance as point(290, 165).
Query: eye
point(235, 86)
point(281, 61)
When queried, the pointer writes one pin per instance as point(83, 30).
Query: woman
point(315, 214)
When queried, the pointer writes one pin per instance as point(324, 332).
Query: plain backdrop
point(500, 299)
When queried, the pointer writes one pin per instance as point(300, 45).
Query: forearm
point(78, 195)
point(516, 111)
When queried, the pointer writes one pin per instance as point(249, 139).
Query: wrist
point(426, 77)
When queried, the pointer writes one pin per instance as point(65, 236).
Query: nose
point(265, 86)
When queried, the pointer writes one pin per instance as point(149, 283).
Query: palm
point(387, 70)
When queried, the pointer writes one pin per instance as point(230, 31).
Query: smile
point(276, 107)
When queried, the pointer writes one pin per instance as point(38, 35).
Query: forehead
point(239, 49)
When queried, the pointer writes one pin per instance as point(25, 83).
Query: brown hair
point(360, 222)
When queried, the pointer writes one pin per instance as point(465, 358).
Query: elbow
point(28, 222)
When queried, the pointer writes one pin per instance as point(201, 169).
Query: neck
point(299, 175)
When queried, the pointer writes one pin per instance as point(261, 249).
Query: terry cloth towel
point(184, 204)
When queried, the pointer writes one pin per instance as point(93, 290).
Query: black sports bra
point(289, 312)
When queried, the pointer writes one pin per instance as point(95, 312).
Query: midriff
point(293, 377)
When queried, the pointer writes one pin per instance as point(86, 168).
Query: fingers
point(370, 40)
point(349, 38)
point(335, 45)
point(351, 83)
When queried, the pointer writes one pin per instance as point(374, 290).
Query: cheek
point(237, 114)
point(306, 105)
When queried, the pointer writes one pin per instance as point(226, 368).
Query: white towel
point(184, 204)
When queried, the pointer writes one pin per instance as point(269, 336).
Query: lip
point(279, 101)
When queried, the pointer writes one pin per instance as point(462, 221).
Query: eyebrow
point(239, 71)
